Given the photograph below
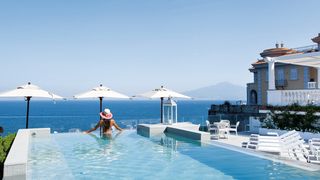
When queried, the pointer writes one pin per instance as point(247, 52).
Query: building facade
point(285, 76)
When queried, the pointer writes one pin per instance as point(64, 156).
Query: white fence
point(287, 97)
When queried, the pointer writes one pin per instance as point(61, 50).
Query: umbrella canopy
point(101, 91)
point(163, 93)
point(28, 91)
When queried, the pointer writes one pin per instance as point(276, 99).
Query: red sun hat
point(106, 114)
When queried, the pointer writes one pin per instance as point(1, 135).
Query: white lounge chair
point(252, 143)
point(314, 145)
point(289, 145)
point(267, 143)
point(294, 147)
point(234, 128)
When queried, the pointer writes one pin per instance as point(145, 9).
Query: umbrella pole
point(27, 116)
point(100, 103)
point(100, 111)
point(161, 110)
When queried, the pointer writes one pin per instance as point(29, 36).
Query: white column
point(318, 77)
point(271, 78)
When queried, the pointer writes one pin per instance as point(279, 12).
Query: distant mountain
point(220, 91)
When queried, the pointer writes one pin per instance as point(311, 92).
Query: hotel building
point(284, 76)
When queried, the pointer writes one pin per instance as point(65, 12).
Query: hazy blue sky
point(134, 46)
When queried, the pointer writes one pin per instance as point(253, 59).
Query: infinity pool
point(131, 156)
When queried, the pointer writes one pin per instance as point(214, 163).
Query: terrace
point(300, 96)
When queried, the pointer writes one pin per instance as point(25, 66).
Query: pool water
point(130, 156)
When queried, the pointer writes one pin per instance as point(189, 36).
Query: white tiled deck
point(232, 140)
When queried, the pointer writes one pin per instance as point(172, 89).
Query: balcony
point(312, 85)
point(287, 97)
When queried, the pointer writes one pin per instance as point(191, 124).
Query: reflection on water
point(169, 143)
point(103, 147)
point(168, 147)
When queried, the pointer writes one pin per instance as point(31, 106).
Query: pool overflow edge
point(15, 166)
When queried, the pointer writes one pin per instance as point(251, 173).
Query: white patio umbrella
point(28, 91)
point(163, 93)
point(101, 92)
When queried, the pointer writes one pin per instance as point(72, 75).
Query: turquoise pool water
point(131, 156)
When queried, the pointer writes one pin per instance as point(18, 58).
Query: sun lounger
point(295, 148)
point(269, 143)
point(289, 145)
point(253, 141)
point(314, 145)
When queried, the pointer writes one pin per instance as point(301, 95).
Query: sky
point(133, 46)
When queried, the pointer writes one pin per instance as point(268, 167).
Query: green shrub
point(5, 144)
point(290, 119)
point(2, 155)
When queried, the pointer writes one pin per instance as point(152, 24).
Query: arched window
point(253, 97)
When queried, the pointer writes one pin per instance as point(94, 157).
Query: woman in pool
point(106, 122)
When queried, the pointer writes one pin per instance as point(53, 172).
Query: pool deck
point(234, 143)
point(233, 140)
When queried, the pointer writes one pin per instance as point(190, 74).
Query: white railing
point(287, 97)
point(306, 48)
point(312, 85)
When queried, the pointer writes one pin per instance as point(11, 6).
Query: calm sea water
point(63, 116)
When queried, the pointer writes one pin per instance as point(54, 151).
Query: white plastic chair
point(233, 128)
point(211, 127)
point(225, 122)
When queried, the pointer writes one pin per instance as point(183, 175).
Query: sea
point(80, 115)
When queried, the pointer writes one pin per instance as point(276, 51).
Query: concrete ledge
point(185, 129)
point(191, 134)
point(149, 130)
point(186, 125)
point(15, 166)
point(40, 132)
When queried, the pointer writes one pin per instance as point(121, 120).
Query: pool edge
point(15, 165)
